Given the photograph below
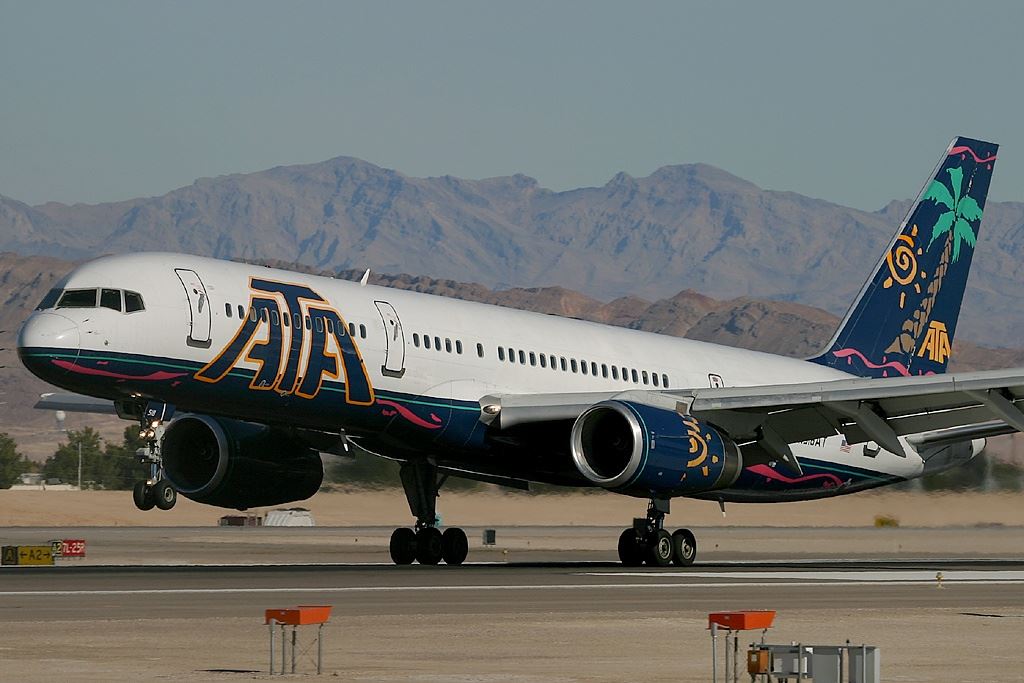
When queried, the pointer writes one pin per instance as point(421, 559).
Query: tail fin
point(903, 320)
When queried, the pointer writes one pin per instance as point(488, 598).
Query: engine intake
point(632, 447)
point(235, 464)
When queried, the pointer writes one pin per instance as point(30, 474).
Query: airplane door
point(394, 350)
point(198, 305)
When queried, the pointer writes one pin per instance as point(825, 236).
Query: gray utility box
point(817, 663)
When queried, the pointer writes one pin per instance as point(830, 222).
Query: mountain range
point(686, 227)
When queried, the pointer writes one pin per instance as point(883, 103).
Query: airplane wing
point(878, 410)
point(74, 403)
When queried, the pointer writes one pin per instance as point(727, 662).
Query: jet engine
point(235, 464)
point(636, 448)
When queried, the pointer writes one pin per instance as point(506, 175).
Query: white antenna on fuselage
point(365, 278)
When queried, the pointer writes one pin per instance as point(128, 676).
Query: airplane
point(241, 375)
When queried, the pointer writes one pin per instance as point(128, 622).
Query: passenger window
point(615, 372)
point(522, 357)
point(511, 355)
point(352, 329)
point(286, 319)
point(593, 368)
point(625, 375)
point(664, 381)
point(447, 344)
point(458, 347)
point(227, 310)
point(654, 378)
point(49, 300)
point(543, 361)
point(275, 319)
point(480, 350)
point(330, 326)
point(501, 353)
point(437, 343)
point(265, 314)
point(573, 363)
point(562, 359)
point(416, 339)
point(111, 298)
point(78, 298)
point(633, 373)
point(604, 370)
point(533, 359)
point(362, 331)
point(252, 314)
point(319, 324)
point(309, 323)
point(133, 302)
point(298, 321)
point(644, 374)
point(583, 367)
point(241, 311)
point(426, 341)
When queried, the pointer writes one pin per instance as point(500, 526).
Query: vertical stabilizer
point(903, 320)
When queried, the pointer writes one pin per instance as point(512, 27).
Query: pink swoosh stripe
point(768, 472)
point(964, 148)
point(411, 416)
point(157, 376)
point(895, 365)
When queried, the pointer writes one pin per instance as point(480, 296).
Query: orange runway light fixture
point(742, 621)
point(299, 616)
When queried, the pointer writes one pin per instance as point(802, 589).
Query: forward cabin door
point(198, 305)
point(394, 350)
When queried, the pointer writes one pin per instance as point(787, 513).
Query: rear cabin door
point(394, 351)
point(198, 305)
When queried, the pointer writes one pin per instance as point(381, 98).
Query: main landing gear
point(648, 541)
point(155, 491)
point(425, 543)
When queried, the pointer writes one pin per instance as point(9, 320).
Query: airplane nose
point(45, 336)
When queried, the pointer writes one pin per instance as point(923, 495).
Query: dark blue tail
point(903, 321)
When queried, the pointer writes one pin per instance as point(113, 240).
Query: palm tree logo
point(962, 211)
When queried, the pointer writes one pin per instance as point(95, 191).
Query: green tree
point(12, 463)
point(63, 464)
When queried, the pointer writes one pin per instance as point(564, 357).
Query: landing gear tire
point(684, 548)
point(659, 549)
point(630, 550)
point(428, 545)
point(454, 546)
point(143, 496)
point(164, 495)
point(403, 545)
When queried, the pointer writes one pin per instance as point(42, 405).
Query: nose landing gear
point(425, 543)
point(156, 491)
point(648, 541)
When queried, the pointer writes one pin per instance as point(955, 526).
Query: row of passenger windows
point(583, 367)
point(275, 319)
point(114, 299)
point(446, 344)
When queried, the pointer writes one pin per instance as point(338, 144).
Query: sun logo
point(698, 446)
point(902, 262)
point(936, 343)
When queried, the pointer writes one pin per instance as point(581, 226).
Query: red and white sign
point(69, 547)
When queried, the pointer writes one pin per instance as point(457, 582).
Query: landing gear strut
point(425, 543)
point(155, 491)
point(648, 541)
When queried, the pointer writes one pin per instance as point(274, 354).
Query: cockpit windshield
point(114, 299)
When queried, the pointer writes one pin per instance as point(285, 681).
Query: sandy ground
point(388, 508)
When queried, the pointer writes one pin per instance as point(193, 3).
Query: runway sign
point(24, 555)
point(68, 547)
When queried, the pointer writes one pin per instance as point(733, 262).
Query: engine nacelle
point(235, 464)
point(635, 448)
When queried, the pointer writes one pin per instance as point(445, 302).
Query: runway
point(61, 593)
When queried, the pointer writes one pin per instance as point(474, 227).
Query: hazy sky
point(851, 102)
